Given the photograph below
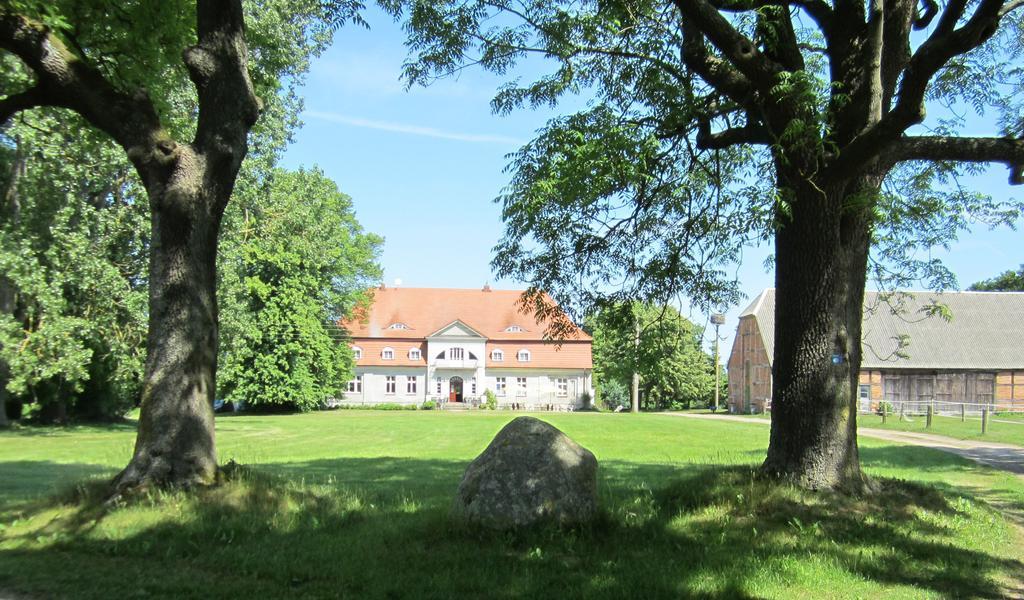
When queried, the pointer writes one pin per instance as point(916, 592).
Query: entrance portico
point(455, 389)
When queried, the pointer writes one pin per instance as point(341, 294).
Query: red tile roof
point(426, 310)
point(373, 352)
point(543, 355)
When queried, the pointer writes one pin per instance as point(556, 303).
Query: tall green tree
point(67, 168)
point(717, 122)
point(295, 261)
point(109, 64)
point(674, 370)
point(1008, 281)
point(72, 247)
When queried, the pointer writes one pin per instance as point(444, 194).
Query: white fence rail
point(920, 407)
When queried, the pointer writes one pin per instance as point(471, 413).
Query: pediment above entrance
point(456, 329)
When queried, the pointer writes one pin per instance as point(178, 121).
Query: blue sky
point(423, 167)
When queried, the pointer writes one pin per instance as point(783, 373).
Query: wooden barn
point(912, 357)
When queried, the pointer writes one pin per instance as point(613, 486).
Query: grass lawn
point(354, 504)
point(1006, 429)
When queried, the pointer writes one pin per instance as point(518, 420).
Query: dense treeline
point(663, 348)
point(75, 226)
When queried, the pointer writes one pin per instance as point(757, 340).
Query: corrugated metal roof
point(986, 330)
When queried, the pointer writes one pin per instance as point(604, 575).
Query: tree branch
point(736, 47)
point(923, 20)
point(775, 28)
point(950, 15)
point(720, 74)
point(873, 50)
point(228, 106)
point(748, 134)
point(16, 103)
point(899, 20)
point(63, 80)
point(931, 56)
point(1009, 151)
point(818, 10)
point(1010, 6)
point(812, 48)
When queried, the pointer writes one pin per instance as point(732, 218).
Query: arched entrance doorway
point(455, 389)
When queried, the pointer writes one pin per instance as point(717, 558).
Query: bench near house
point(418, 344)
point(977, 357)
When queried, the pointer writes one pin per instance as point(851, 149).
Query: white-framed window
point(497, 355)
point(415, 354)
point(513, 329)
point(562, 387)
point(456, 354)
point(355, 386)
point(357, 352)
point(499, 386)
point(388, 354)
point(439, 382)
point(865, 392)
point(410, 384)
point(520, 386)
point(523, 355)
point(398, 326)
point(472, 386)
point(389, 384)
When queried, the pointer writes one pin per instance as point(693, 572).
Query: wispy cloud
point(411, 129)
point(380, 74)
point(360, 74)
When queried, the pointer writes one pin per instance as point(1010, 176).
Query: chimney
point(383, 286)
point(487, 287)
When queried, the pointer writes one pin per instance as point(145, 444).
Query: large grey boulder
point(531, 472)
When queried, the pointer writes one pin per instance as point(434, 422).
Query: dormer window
point(497, 355)
point(414, 354)
point(388, 354)
point(399, 326)
point(513, 329)
point(523, 356)
point(357, 352)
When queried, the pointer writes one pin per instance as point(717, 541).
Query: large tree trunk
point(175, 443)
point(188, 188)
point(821, 266)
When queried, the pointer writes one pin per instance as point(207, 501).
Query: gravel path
point(1000, 456)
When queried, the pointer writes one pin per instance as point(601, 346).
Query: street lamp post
point(717, 319)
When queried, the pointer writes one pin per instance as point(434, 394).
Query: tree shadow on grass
point(914, 458)
point(902, 536)
point(918, 459)
point(379, 528)
point(24, 481)
point(30, 429)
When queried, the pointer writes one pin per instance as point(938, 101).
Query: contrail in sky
point(411, 129)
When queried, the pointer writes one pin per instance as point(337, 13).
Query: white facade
point(456, 371)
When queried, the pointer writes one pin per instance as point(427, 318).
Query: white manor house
point(450, 345)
